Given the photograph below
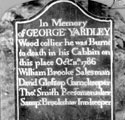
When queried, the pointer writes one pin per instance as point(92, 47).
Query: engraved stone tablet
point(64, 65)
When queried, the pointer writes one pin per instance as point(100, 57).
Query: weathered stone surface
point(27, 10)
point(119, 62)
point(116, 13)
point(24, 11)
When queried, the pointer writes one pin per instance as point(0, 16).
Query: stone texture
point(19, 12)
point(29, 9)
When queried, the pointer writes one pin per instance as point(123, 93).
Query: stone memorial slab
point(64, 65)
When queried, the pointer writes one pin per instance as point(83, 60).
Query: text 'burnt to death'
point(64, 59)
